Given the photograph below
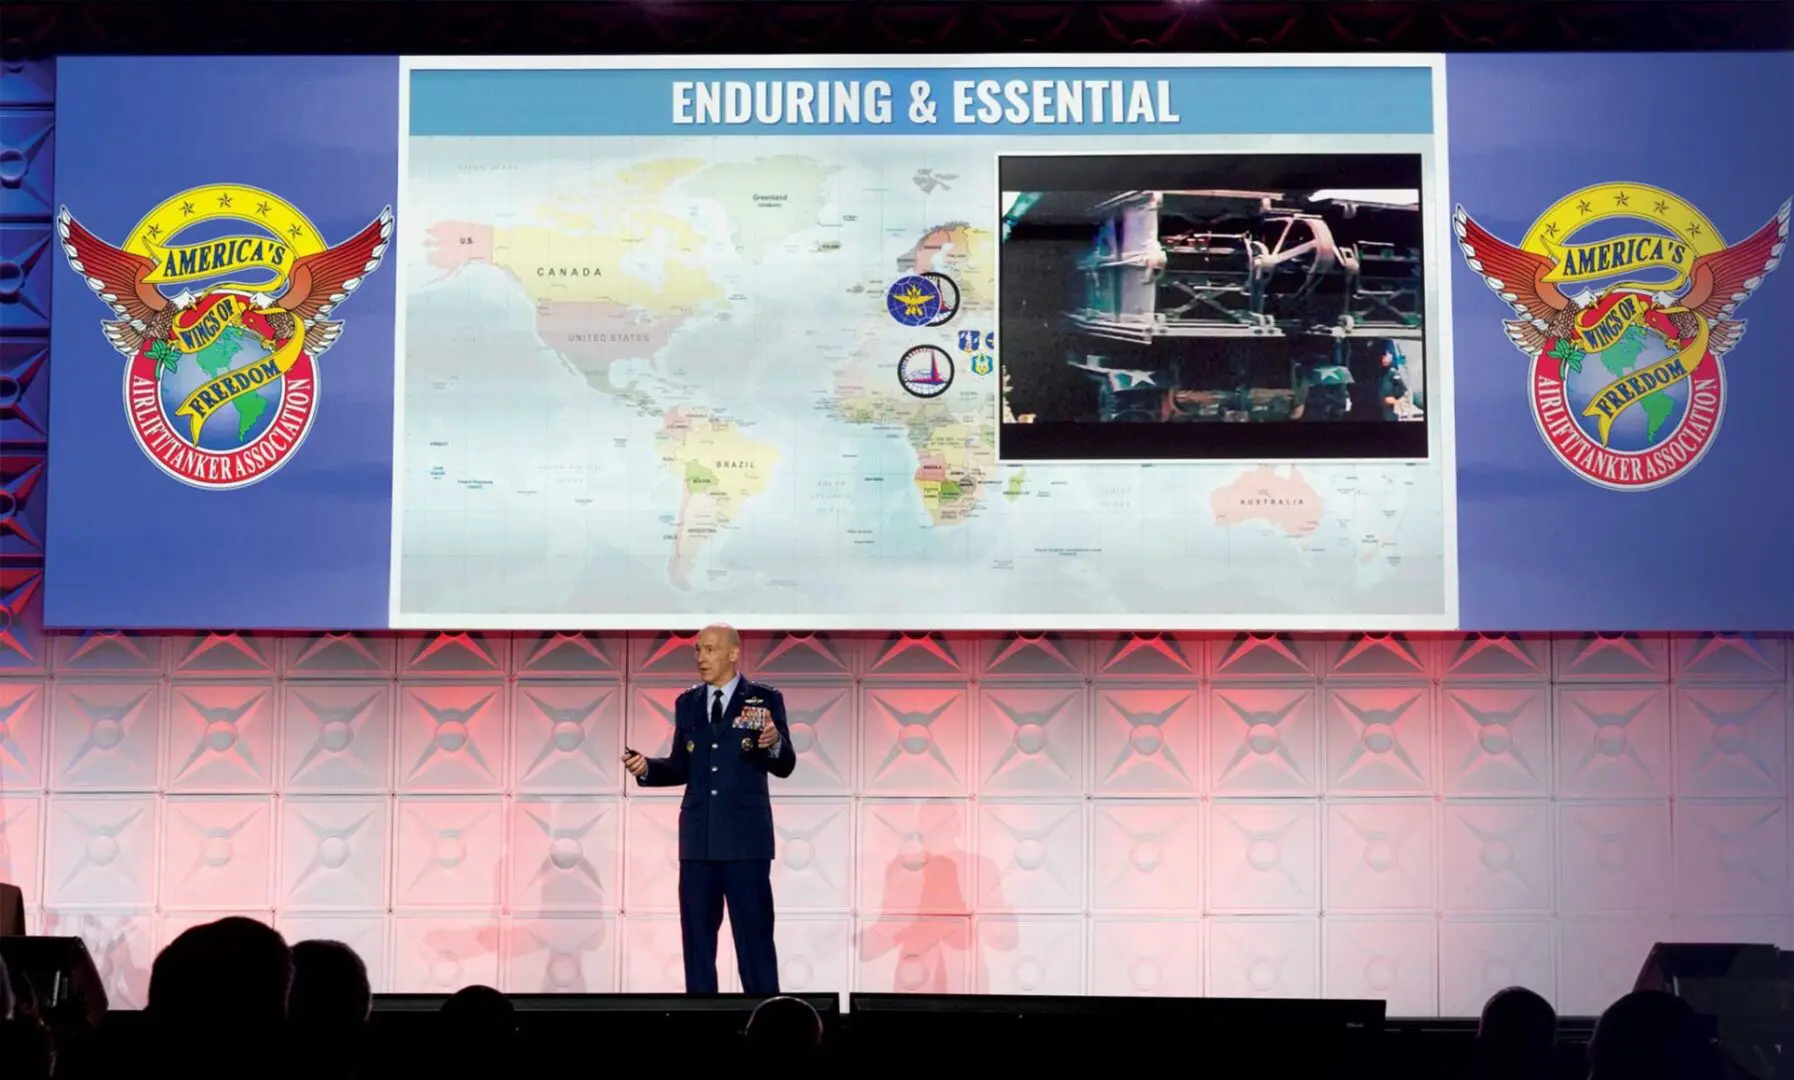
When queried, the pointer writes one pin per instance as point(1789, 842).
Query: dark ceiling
point(877, 26)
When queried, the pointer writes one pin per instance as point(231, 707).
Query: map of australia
point(646, 379)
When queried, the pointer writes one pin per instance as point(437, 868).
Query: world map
point(656, 379)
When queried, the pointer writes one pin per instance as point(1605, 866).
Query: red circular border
point(211, 469)
point(1619, 470)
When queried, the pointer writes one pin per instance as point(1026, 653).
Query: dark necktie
point(716, 709)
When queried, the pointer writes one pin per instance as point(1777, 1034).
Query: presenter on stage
point(729, 734)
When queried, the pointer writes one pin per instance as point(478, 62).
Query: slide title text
point(970, 102)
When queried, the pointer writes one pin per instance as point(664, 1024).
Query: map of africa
point(654, 379)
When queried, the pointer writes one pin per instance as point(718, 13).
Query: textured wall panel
point(25, 273)
point(21, 506)
point(23, 648)
point(1422, 819)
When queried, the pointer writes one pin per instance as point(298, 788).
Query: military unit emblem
point(221, 380)
point(1626, 383)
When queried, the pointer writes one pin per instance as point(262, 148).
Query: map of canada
point(656, 379)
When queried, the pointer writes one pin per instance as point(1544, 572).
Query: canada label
point(1625, 329)
point(222, 330)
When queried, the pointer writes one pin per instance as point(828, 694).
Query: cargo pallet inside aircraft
point(1226, 273)
point(1251, 264)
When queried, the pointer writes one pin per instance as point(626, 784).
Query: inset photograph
point(1189, 307)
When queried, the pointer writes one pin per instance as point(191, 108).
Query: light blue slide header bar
point(896, 101)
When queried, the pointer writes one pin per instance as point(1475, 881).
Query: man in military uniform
point(729, 734)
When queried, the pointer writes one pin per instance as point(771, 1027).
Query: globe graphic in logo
point(242, 421)
point(1644, 424)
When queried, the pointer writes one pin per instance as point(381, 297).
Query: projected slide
point(679, 342)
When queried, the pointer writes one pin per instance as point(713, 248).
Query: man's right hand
point(636, 764)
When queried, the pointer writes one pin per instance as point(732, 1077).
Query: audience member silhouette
point(1516, 1039)
point(327, 1011)
point(27, 1049)
point(218, 1000)
point(784, 1032)
point(1650, 1035)
point(480, 1037)
point(221, 996)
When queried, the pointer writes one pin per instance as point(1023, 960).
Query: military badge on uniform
point(690, 746)
point(754, 717)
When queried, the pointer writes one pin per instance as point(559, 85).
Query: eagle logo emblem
point(221, 329)
point(1626, 383)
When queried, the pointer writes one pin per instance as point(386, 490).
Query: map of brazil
point(656, 379)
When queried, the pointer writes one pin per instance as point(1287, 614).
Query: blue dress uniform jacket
point(726, 814)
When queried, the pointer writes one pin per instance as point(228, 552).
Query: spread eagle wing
point(1518, 277)
point(318, 283)
point(117, 277)
point(1720, 281)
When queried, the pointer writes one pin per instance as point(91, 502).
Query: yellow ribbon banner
point(1628, 310)
point(176, 263)
point(204, 402)
point(209, 326)
point(1619, 255)
point(1612, 401)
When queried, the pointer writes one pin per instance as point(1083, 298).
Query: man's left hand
point(768, 737)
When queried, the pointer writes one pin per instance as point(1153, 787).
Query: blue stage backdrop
point(306, 539)
point(642, 342)
point(1688, 527)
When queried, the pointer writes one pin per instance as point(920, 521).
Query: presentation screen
point(856, 343)
point(837, 343)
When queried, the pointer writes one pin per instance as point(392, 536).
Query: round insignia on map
point(983, 364)
point(925, 371)
point(1625, 332)
point(949, 294)
point(914, 300)
point(221, 333)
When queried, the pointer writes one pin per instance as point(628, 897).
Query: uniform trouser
point(746, 885)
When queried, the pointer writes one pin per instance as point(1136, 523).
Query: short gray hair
point(730, 637)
